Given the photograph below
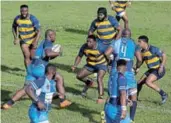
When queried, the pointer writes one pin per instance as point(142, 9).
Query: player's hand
point(41, 105)
point(73, 68)
point(34, 45)
point(123, 115)
point(130, 102)
point(136, 70)
point(160, 70)
point(16, 41)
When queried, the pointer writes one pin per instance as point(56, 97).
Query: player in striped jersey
point(155, 60)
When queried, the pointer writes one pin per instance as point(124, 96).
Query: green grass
point(71, 20)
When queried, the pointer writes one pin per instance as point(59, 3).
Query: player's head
point(50, 70)
point(121, 65)
point(126, 33)
point(101, 13)
point(143, 41)
point(24, 11)
point(50, 35)
point(91, 41)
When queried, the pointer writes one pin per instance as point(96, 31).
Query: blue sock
point(133, 110)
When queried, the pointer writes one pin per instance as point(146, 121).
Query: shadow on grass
point(11, 70)
point(5, 95)
point(66, 68)
point(84, 111)
point(78, 31)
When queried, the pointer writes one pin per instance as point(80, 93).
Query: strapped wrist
point(124, 108)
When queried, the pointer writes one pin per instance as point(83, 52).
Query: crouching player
point(38, 111)
point(96, 62)
point(115, 108)
point(37, 67)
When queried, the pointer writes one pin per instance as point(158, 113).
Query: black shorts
point(155, 72)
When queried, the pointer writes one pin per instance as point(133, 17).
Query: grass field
point(71, 21)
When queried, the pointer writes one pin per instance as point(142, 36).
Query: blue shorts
point(131, 81)
point(96, 68)
point(36, 115)
point(120, 14)
point(113, 114)
point(34, 71)
point(155, 72)
point(103, 45)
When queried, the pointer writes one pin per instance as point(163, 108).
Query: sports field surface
point(71, 21)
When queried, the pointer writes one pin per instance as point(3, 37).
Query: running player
point(126, 48)
point(96, 62)
point(155, 60)
point(120, 8)
point(37, 67)
point(26, 31)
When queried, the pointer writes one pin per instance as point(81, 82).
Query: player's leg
point(125, 19)
point(18, 95)
point(26, 53)
point(140, 84)
point(101, 74)
point(150, 83)
point(61, 90)
point(83, 76)
point(118, 18)
point(133, 107)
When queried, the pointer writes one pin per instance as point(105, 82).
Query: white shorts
point(120, 14)
point(132, 91)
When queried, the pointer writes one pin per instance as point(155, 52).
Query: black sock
point(139, 87)
point(133, 110)
point(161, 92)
point(10, 102)
point(88, 82)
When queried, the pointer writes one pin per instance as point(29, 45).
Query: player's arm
point(92, 28)
point(116, 25)
point(31, 92)
point(109, 51)
point(36, 25)
point(78, 58)
point(162, 56)
point(15, 31)
point(139, 60)
point(112, 5)
point(48, 50)
point(123, 96)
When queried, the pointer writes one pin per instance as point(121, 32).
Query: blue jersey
point(47, 89)
point(117, 83)
point(40, 51)
point(124, 48)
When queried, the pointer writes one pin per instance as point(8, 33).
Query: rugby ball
point(56, 48)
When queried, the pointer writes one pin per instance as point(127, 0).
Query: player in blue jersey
point(41, 92)
point(126, 48)
point(107, 28)
point(115, 108)
point(26, 31)
point(37, 67)
point(155, 60)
